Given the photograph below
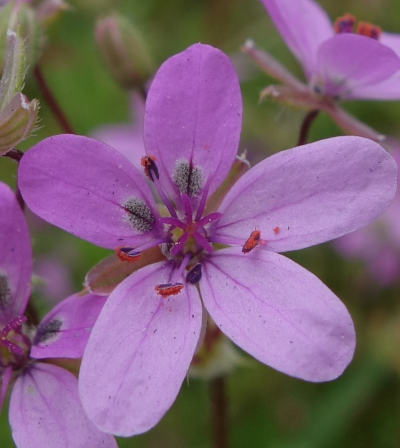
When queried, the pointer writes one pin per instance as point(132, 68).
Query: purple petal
point(310, 194)
point(348, 62)
point(385, 90)
point(391, 40)
point(80, 185)
point(303, 25)
point(64, 331)
point(15, 256)
point(45, 411)
point(139, 352)
point(194, 113)
point(127, 139)
point(279, 313)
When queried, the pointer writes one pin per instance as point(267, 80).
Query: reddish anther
point(252, 241)
point(369, 30)
point(150, 167)
point(344, 24)
point(127, 254)
point(169, 289)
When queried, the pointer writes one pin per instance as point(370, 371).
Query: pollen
point(128, 254)
point(277, 230)
point(168, 289)
point(139, 215)
point(48, 331)
point(369, 30)
point(5, 292)
point(344, 24)
point(252, 241)
point(188, 178)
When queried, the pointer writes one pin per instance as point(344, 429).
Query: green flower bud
point(17, 121)
point(124, 51)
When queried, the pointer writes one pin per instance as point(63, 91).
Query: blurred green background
point(266, 409)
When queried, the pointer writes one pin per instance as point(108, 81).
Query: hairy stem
point(306, 125)
point(219, 414)
point(52, 102)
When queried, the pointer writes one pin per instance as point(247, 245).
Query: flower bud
point(23, 20)
point(17, 120)
point(124, 51)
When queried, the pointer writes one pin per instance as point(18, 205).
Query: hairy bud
point(124, 51)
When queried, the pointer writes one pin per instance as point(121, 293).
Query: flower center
point(14, 344)
point(345, 24)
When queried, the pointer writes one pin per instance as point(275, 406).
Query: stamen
point(139, 215)
point(5, 292)
point(202, 242)
point(188, 179)
point(194, 275)
point(179, 245)
point(369, 30)
point(169, 289)
point(253, 241)
point(344, 24)
point(173, 222)
point(209, 218)
point(150, 167)
point(48, 331)
point(128, 254)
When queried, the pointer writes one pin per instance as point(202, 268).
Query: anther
point(139, 215)
point(127, 254)
point(48, 331)
point(368, 30)
point(5, 292)
point(194, 274)
point(344, 24)
point(188, 178)
point(252, 241)
point(168, 289)
point(150, 167)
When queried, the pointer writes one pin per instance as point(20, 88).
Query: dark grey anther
point(48, 331)
point(188, 178)
point(139, 215)
point(194, 275)
point(5, 292)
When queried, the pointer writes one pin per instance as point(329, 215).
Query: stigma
point(14, 344)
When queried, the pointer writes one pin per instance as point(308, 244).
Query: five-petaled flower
point(45, 410)
point(148, 331)
point(341, 60)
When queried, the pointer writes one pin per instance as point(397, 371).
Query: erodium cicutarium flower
point(344, 60)
point(45, 410)
point(147, 333)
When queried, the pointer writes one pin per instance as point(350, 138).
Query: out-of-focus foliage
point(359, 410)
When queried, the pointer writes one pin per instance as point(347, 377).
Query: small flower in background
point(336, 59)
point(44, 409)
point(142, 344)
point(378, 245)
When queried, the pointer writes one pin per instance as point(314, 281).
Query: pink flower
point(45, 408)
point(147, 333)
point(338, 62)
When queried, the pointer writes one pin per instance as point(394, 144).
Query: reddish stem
point(219, 414)
point(306, 125)
point(52, 102)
